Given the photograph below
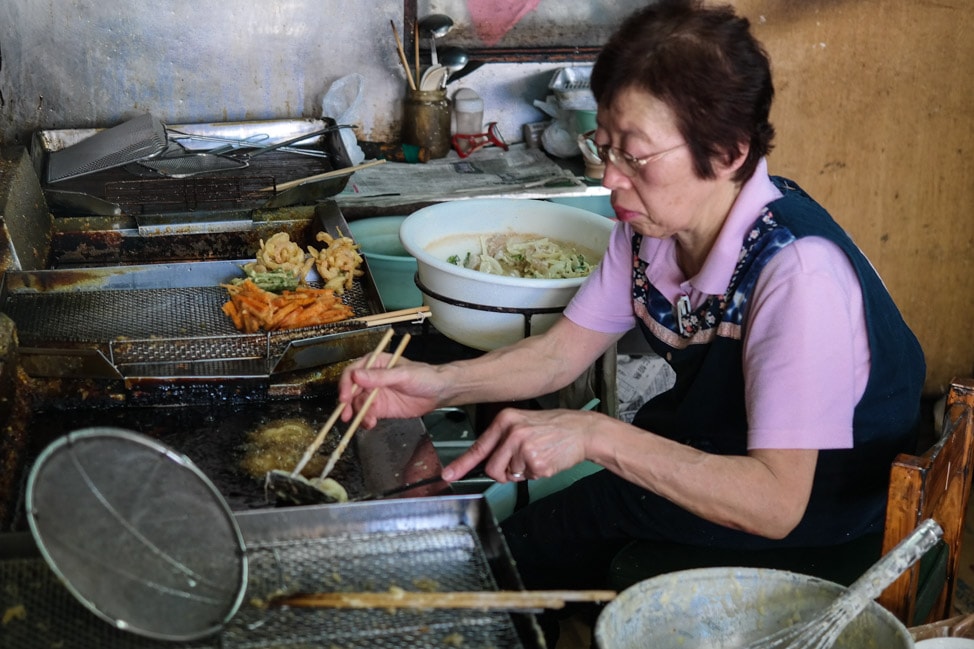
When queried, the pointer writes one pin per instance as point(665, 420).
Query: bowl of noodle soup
point(492, 270)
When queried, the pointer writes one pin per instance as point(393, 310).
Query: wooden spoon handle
point(506, 600)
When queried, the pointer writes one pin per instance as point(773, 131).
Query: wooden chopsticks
point(418, 313)
point(510, 600)
point(402, 56)
point(316, 443)
point(335, 173)
point(352, 427)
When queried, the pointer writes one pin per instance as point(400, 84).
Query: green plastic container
point(393, 269)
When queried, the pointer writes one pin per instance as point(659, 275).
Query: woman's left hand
point(527, 444)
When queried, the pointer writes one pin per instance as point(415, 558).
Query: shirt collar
point(758, 191)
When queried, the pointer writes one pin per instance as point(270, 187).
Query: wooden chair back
point(936, 484)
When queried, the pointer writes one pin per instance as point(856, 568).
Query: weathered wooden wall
point(875, 118)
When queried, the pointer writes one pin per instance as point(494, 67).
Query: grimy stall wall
point(875, 117)
point(874, 108)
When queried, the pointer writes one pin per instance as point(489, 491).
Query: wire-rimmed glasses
point(628, 164)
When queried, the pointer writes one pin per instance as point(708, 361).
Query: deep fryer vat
point(449, 543)
point(229, 441)
point(165, 320)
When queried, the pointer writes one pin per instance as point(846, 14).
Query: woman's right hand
point(409, 389)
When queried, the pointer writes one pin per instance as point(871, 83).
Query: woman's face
point(663, 197)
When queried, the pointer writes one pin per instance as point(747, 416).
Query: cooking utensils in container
point(822, 631)
point(727, 607)
point(435, 26)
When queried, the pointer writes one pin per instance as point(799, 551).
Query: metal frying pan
point(117, 516)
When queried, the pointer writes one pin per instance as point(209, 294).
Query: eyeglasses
point(465, 144)
point(628, 164)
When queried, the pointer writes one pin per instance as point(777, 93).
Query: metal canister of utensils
point(426, 121)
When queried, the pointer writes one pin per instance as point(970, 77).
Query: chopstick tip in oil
point(357, 420)
point(336, 413)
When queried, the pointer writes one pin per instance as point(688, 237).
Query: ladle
point(453, 58)
point(435, 26)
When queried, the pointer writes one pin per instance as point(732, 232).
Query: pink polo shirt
point(806, 351)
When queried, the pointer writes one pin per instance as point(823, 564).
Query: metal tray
point(120, 190)
point(450, 543)
point(165, 321)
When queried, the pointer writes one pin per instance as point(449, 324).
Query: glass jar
point(468, 111)
point(426, 121)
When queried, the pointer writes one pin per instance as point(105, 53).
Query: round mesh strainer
point(137, 533)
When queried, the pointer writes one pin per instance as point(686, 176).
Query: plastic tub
point(393, 269)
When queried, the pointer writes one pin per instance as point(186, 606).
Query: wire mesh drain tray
point(447, 543)
point(163, 320)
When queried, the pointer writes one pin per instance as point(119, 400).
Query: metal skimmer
point(445, 544)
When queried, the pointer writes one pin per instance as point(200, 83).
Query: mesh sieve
point(452, 557)
point(137, 533)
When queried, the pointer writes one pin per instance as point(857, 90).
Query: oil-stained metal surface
point(25, 223)
point(138, 191)
point(164, 320)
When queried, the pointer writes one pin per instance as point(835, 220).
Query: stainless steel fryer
point(164, 320)
point(447, 543)
point(133, 192)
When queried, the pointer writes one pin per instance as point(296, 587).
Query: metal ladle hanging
point(435, 26)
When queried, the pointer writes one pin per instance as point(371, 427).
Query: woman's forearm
point(532, 367)
point(763, 493)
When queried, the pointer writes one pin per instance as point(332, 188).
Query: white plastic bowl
point(453, 293)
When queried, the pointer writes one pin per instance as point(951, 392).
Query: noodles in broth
point(526, 255)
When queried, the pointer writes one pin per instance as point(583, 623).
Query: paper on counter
point(490, 171)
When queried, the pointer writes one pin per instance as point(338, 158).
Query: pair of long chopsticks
point(336, 413)
point(352, 427)
point(345, 171)
point(402, 56)
point(418, 314)
point(511, 600)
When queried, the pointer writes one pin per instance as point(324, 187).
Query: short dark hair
point(705, 64)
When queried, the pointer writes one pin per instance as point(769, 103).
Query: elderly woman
point(797, 381)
